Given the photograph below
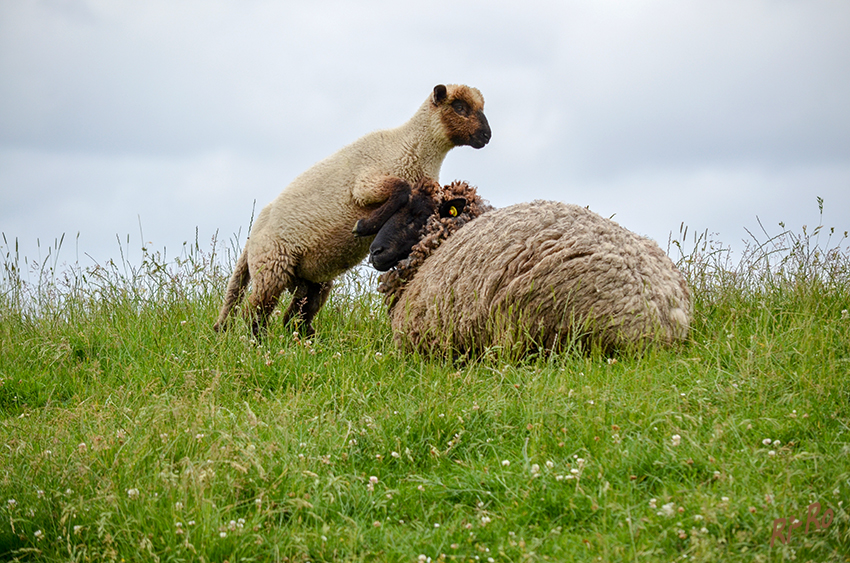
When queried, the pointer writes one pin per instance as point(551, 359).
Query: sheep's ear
point(452, 208)
point(440, 94)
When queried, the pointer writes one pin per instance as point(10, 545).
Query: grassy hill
point(130, 431)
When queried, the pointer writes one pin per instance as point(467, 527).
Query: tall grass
point(130, 431)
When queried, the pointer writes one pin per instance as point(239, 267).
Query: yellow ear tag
point(453, 211)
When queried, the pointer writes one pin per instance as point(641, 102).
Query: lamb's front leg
point(373, 223)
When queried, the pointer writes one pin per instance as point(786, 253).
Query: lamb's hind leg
point(270, 278)
point(307, 300)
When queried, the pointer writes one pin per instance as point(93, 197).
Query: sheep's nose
point(373, 252)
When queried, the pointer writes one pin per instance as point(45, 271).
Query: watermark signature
point(782, 527)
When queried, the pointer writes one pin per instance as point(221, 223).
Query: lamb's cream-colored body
point(303, 239)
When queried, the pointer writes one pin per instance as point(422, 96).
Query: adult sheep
point(302, 240)
point(532, 276)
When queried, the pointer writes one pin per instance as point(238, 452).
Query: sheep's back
point(537, 275)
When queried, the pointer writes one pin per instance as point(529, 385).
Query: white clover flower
point(676, 440)
point(771, 453)
point(395, 454)
point(776, 443)
point(535, 469)
point(550, 464)
point(485, 520)
point(505, 463)
point(39, 535)
point(133, 494)
point(667, 510)
point(222, 534)
point(652, 502)
point(767, 441)
point(12, 503)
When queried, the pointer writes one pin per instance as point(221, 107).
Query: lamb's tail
point(235, 289)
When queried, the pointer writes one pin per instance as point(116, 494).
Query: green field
point(130, 431)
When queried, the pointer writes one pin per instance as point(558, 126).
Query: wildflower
point(777, 443)
point(676, 440)
point(535, 469)
point(77, 530)
point(421, 488)
point(378, 355)
point(39, 535)
point(550, 464)
point(845, 314)
point(12, 503)
point(395, 454)
point(485, 520)
point(667, 510)
point(82, 448)
point(724, 499)
point(436, 524)
point(199, 437)
point(771, 453)
point(222, 535)
point(505, 463)
point(766, 441)
point(133, 494)
point(40, 493)
point(752, 509)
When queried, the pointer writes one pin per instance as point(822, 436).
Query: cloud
point(185, 113)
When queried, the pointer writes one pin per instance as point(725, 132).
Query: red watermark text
point(782, 528)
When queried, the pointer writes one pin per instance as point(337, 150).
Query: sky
point(128, 124)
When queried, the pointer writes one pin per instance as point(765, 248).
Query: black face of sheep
point(398, 235)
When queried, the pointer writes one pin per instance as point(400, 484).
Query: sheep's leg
point(373, 223)
point(307, 300)
point(271, 278)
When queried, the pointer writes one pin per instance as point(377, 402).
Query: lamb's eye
point(460, 108)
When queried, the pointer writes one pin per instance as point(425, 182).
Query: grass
point(131, 432)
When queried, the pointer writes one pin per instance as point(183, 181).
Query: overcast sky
point(178, 115)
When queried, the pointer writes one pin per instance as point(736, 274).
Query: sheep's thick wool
point(538, 276)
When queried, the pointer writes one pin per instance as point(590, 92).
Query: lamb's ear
point(440, 94)
point(452, 208)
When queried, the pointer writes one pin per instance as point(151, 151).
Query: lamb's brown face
point(462, 114)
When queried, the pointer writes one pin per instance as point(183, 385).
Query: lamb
point(530, 277)
point(302, 240)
